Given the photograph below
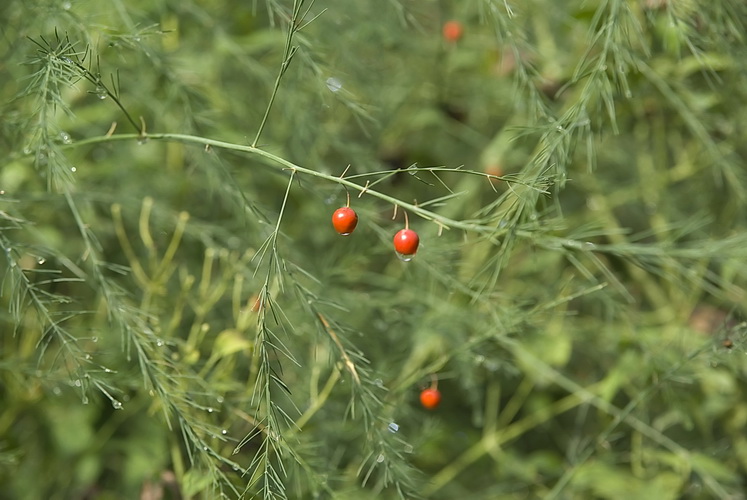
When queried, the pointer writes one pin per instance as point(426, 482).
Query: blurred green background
point(180, 320)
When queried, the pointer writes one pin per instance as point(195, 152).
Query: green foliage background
point(180, 320)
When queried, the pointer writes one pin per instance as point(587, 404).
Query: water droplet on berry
point(403, 257)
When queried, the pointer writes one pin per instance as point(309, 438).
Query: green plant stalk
point(440, 220)
point(288, 52)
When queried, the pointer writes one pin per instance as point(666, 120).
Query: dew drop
point(379, 383)
point(27, 150)
point(41, 261)
point(66, 5)
point(380, 458)
point(88, 356)
point(628, 94)
point(2, 191)
point(204, 448)
point(344, 234)
point(11, 261)
point(78, 383)
point(589, 246)
point(65, 137)
point(224, 432)
point(408, 448)
point(73, 169)
point(219, 399)
point(334, 84)
point(159, 343)
point(210, 410)
point(56, 391)
point(116, 404)
point(94, 339)
point(403, 257)
point(142, 140)
point(393, 427)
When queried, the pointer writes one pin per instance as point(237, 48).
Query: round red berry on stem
point(406, 242)
point(344, 219)
point(430, 398)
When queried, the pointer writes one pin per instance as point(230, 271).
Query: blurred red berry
point(430, 398)
point(453, 31)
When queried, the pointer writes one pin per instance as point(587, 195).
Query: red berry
point(430, 398)
point(344, 219)
point(406, 242)
point(453, 31)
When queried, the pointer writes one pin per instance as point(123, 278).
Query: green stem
point(425, 214)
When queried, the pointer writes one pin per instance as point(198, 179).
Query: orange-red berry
point(453, 31)
point(430, 398)
point(344, 219)
point(406, 242)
